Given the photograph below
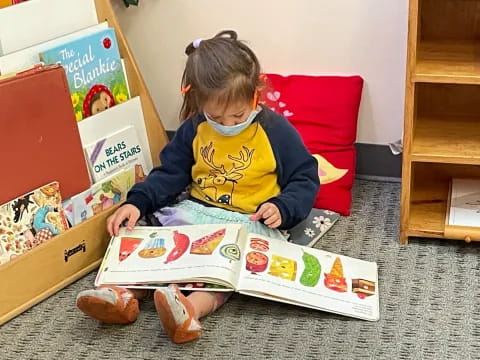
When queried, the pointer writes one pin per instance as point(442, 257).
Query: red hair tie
point(186, 89)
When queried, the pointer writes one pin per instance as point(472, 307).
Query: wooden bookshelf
point(442, 111)
point(46, 269)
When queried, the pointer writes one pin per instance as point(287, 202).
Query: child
point(244, 164)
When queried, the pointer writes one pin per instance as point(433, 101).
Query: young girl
point(244, 164)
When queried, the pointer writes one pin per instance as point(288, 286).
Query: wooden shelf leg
point(403, 238)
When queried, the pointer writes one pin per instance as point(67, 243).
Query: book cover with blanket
point(30, 220)
point(234, 260)
point(95, 74)
point(120, 150)
point(101, 196)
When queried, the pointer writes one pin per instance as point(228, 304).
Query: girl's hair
point(221, 68)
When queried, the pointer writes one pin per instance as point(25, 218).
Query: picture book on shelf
point(227, 258)
point(101, 196)
point(94, 71)
point(30, 220)
point(120, 116)
point(28, 57)
point(120, 150)
point(464, 208)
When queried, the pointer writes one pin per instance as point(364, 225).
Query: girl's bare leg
point(180, 314)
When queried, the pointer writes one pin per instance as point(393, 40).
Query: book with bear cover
point(229, 259)
point(94, 69)
point(119, 150)
point(30, 220)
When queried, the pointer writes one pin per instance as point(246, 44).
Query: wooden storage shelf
point(427, 218)
point(428, 206)
point(442, 113)
point(448, 61)
point(452, 140)
point(429, 196)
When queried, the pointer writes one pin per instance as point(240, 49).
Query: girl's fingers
point(131, 221)
point(119, 217)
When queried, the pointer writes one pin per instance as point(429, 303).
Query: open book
point(227, 258)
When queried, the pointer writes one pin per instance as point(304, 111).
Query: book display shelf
point(44, 270)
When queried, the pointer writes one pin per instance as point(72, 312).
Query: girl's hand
point(270, 213)
point(126, 212)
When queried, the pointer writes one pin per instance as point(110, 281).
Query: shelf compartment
point(447, 140)
point(429, 196)
point(447, 124)
point(448, 46)
point(448, 61)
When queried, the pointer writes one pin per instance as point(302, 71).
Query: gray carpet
point(429, 301)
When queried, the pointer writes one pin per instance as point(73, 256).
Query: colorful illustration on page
point(363, 288)
point(231, 252)
point(182, 242)
point(207, 244)
point(259, 244)
point(283, 268)
point(257, 262)
point(311, 273)
point(335, 280)
point(30, 220)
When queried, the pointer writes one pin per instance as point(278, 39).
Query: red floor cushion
point(324, 110)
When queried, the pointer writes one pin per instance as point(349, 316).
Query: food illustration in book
point(259, 244)
point(182, 242)
point(30, 220)
point(311, 273)
point(286, 272)
point(128, 246)
point(230, 251)
point(94, 70)
point(335, 279)
point(363, 288)
point(207, 244)
point(283, 268)
point(154, 248)
point(119, 150)
point(257, 262)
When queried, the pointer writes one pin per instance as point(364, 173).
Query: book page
point(194, 253)
point(465, 203)
point(308, 277)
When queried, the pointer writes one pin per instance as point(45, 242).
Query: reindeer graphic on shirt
point(219, 185)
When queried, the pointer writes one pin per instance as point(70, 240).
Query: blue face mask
point(234, 129)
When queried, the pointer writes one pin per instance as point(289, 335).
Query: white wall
point(365, 37)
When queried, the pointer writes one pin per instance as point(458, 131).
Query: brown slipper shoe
point(176, 314)
point(110, 305)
